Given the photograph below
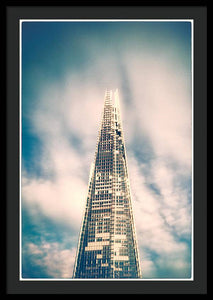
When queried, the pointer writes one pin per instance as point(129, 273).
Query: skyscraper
point(107, 245)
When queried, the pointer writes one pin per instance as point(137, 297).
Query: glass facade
point(107, 245)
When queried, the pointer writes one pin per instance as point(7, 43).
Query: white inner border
point(20, 147)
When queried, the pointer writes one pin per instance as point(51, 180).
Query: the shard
point(107, 245)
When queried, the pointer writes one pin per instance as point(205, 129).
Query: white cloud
point(162, 219)
point(162, 106)
point(57, 262)
point(148, 267)
point(61, 200)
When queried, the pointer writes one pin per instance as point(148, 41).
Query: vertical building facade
point(107, 245)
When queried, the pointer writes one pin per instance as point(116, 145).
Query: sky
point(66, 68)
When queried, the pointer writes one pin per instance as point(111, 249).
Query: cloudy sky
point(66, 68)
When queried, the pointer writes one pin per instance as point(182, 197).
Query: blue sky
point(66, 68)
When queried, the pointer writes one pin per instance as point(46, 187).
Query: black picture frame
point(16, 12)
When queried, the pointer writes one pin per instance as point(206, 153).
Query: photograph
point(106, 149)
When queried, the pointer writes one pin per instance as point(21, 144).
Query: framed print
point(106, 147)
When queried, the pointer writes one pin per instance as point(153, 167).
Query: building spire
point(116, 95)
point(107, 244)
point(108, 97)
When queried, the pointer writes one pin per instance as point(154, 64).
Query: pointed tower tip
point(112, 96)
point(116, 98)
point(108, 91)
point(108, 97)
